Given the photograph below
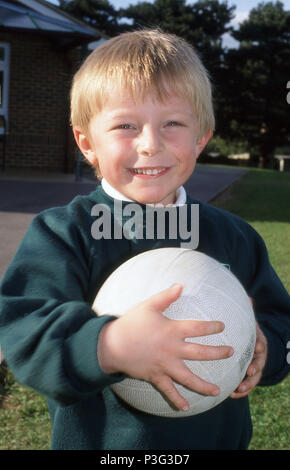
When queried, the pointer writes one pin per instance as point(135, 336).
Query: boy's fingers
point(195, 328)
point(256, 365)
point(260, 347)
point(166, 386)
point(202, 352)
point(246, 386)
point(190, 328)
point(254, 374)
point(185, 377)
point(236, 395)
point(165, 298)
point(189, 380)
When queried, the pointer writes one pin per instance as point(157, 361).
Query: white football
point(210, 292)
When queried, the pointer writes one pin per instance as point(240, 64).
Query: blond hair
point(142, 62)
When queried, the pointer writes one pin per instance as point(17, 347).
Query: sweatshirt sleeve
point(272, 309)
point(48, 331)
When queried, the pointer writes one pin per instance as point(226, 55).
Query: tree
point(258, 73)
point(202, 24)
point(98, 13)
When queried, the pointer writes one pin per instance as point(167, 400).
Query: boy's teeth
point(148, 172)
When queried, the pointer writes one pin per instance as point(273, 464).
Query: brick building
point(40, 48)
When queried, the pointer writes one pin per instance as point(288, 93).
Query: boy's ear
point(201, 143)
point(85, 147)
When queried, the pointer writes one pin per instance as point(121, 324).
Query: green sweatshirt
point(49, 333)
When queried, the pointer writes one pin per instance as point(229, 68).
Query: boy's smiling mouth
point(152, 171)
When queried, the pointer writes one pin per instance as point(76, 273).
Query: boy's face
point(144, 150)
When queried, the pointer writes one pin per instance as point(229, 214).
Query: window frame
point(5, 67)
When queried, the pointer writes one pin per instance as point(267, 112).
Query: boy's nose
point(149, 142)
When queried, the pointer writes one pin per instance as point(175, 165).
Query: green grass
point(24, 418)
point(262, 198)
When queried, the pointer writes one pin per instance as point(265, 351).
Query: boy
point(141, 113)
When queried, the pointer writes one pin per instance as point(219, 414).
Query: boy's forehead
point(138, 90)
point(122, 101)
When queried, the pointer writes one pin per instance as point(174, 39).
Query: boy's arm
point(48, 332)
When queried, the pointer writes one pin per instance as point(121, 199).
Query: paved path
point(22, 196)
point(209, 181)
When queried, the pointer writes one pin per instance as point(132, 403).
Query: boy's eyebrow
point(117, 114)
point(129, 113)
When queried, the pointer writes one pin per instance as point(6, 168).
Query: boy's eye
point(173, 123)
point(125, 126)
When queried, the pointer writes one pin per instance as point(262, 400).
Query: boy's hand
point(254, 371)
point(146, 345)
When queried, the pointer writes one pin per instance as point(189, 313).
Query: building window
point(4, 82)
